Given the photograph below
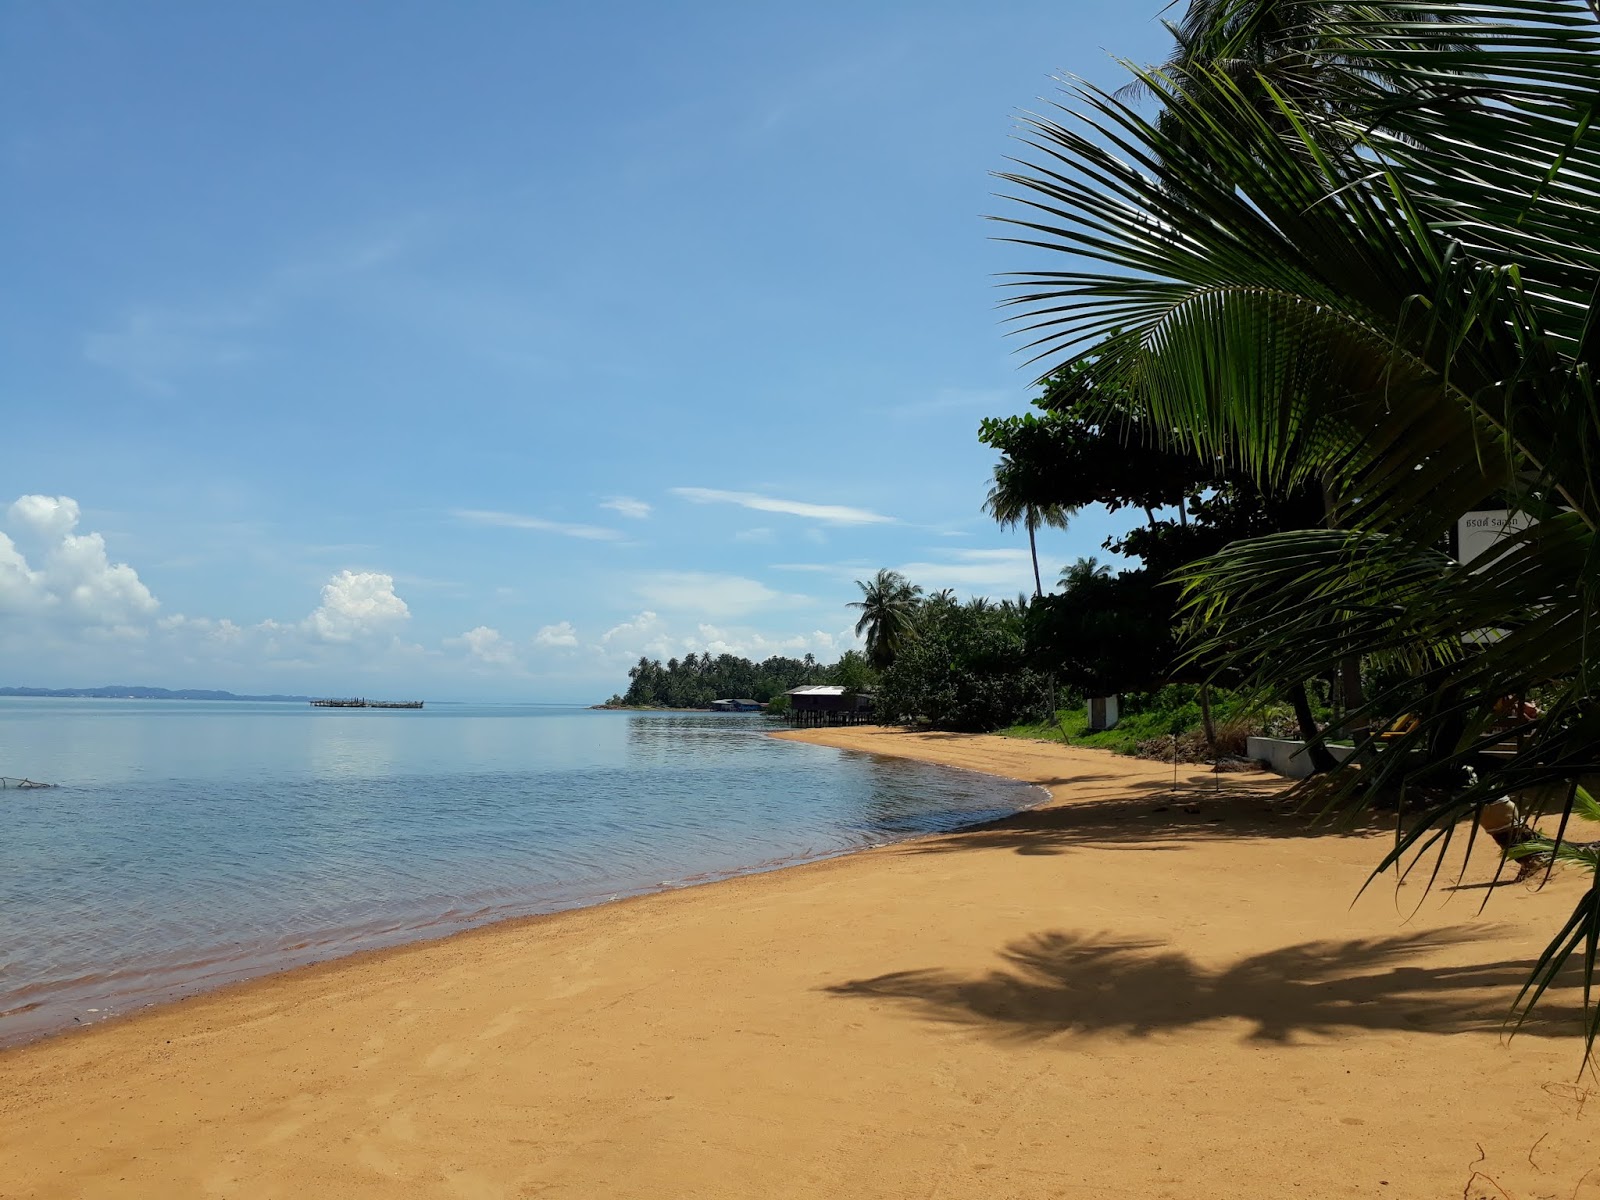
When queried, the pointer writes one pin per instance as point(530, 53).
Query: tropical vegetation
point(695, 680)
point(965, 667)
point(1355, 250)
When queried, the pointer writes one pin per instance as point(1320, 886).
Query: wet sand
point(1112, 995)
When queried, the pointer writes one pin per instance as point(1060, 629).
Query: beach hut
point(828, 704)
point(739, 706)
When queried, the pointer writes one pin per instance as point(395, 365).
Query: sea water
point(190, 844)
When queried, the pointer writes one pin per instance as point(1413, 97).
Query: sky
point(474, 351)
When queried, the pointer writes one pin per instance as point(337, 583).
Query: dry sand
point(1107, 997)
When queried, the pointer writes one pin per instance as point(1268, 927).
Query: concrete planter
point(1288, 758)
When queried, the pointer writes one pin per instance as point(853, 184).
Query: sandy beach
point(1122, 993)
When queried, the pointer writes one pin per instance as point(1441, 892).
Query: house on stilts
point(829, 704)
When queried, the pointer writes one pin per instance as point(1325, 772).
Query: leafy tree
point(1106, 634)
point(1089, 443)
point(966, 669)
point(1383, 289)
point(853, 673)
point(697, 680)
point(888, 607)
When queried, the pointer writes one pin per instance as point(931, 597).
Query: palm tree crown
point(1018, 497)
point(888, 607)
point(1077, 574)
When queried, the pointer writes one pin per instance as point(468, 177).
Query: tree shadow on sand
point(1068, 983)
point(1148, 815)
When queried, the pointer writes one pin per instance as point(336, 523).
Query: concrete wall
point(1288, 758)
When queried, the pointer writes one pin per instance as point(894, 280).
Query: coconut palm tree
point(1017, 498)
point(888, 607)
point(1083, 572)
point(1392, 294)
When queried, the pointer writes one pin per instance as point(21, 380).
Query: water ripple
point(191, 845)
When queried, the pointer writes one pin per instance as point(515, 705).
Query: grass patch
point(1072, 729)
point(1174, 709)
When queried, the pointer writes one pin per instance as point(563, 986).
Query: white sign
point(1477, 533)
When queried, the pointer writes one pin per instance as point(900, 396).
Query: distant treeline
point(695, 680)
point(120, 691)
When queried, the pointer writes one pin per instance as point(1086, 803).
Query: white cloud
point(759, 534)
point(708, 595)
point(559, 634)
point(648, 634)
point(989, 572)
point(833, 514)
point(986, 572)
point(355, 603)
point(504, 520)
point(845, 570)
point(644, 633)
point(74, 580)
point(627, 506)
point(754, 644)
point(45, 516)
point(486, 645)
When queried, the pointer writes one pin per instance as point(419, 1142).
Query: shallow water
point(190, 844)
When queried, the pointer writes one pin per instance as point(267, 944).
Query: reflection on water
point(190, 844)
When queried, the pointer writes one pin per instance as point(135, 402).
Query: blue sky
point(471, 351)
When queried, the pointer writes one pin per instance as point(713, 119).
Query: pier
point(360, 703)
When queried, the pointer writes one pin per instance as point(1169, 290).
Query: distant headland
point(120, 691)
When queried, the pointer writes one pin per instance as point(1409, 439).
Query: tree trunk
point(1350, 688)
point(1321, 760)
point(1205, 718)
point(1033, 549)
point(1350, 665)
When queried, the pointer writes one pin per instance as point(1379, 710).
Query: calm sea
point(190, 844)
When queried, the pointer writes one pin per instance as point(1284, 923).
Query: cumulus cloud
point(560, 634)
point(355, 603)
point(643, 633)
point(74, 579)
point(627, 506)
point(832, 514)
point(505, 520)
point(50, 517)
point(649, 634)
point(486, 645)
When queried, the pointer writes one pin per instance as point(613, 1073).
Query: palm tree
point(1018, 498)
point(1385, 287)
point(888, 607)
point(1083, 572)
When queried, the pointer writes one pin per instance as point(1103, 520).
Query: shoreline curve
point(1107, 995)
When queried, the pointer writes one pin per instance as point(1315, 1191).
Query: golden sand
point(1123, 994)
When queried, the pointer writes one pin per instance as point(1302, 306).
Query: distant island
point(119, 691)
